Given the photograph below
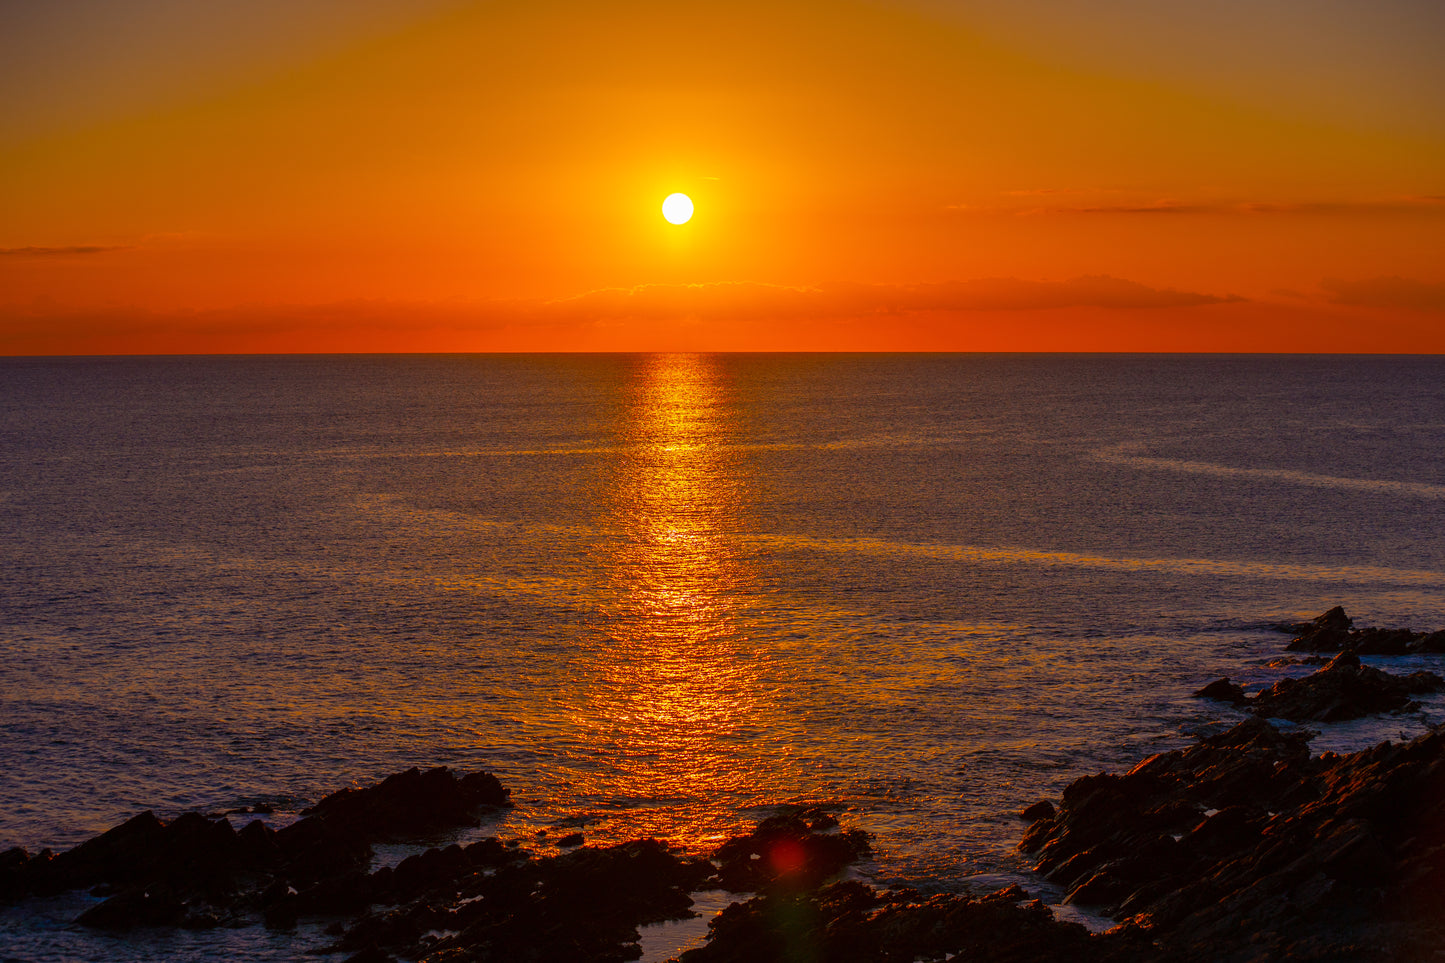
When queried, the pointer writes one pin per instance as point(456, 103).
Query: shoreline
point(1204, 807)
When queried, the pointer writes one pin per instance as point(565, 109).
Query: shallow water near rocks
point(665, 595)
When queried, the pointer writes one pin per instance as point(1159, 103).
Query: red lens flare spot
point(787, 856)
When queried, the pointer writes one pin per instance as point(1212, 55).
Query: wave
point(1010, 555)
point(1120, 455)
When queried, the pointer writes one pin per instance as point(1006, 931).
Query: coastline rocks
point(1333, 632)
point(587, 904)
point(796, 851)
point(1222, 690)
point(1343, 689)
point(199, 872)
point(1043, 809)
point(412, 803)
point(488, 901)
point(1244, 847)
point(849, 922)
point(1335, 620)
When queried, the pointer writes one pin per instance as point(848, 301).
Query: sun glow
point(677, 208)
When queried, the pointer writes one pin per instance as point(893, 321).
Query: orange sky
point(380, 175)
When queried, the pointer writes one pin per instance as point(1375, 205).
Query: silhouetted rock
point(849, 922)
point(195, 871)
point(412, 803)
point(1383, 641)
point(1043, 809)
point(136, 906)
point(1243, 847)
point(1344, 689)
point(1222, 690)
point(1432, 643)
point(1333, 632)
point(582, 905)
point(371, 955)
point(786, 850)
point(1324, 633)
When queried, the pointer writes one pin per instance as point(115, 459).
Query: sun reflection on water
point(677, 696)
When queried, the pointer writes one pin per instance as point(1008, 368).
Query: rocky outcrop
point(1245, 847)
point(490, 902)
point(794, 850)
point(198, 871)
point(412, 803)
point(1343, 689)
point(1333, 632)
point(849, 922)
point(1224, 691)
point(587, 904)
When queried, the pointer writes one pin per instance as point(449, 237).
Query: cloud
point(729, 301)
point(73, 250)
point(1388, 292)
point(1427, 204)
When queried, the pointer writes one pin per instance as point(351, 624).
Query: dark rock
point(585, 904)
point(199, 872)
point(818, 819)
point(282, 914)
point(315, 847)
point(117, 856)
point(1344, 689)
point(137, 906)
point(785, 850)
point(1384, 641)
point(1329, 632)
point(571, 839)
point(433, 869)
point(1335, 618)
point(343, 895)
point(371, 955)
point(1043, 809)
point(13, 877)
point(849, 922)
point(1434, 642)
point(1222, 690)
point(412, 803)
point(1278, 855)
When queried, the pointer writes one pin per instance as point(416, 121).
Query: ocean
point(662, 595)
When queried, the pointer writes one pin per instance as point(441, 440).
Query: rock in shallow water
point(1333, 632)
point(412, 803)
point(1222, 690)
point(198, 871)
point(1343, 690)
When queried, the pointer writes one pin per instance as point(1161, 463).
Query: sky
point(897, 175)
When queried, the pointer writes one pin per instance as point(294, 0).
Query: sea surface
point(665, 594)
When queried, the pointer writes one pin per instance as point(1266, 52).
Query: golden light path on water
point(676, 696)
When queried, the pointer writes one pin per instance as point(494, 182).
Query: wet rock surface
point(849, 922)
point(1333, 631)
point(1344, 689)
point(1246, 847)
point(491, 902)
point(198, 871)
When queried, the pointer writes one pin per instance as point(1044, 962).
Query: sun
point(677, 208)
